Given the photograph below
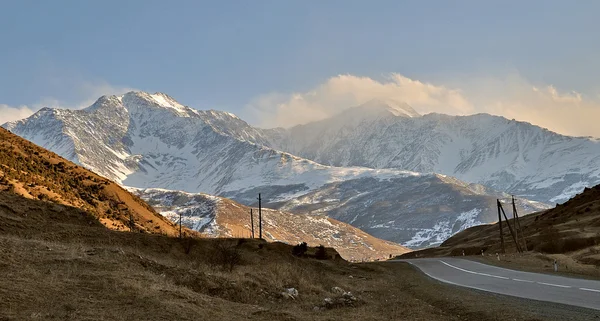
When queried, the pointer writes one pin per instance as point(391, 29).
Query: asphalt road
point(536, 286)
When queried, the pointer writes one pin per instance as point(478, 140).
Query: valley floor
point(57, 263)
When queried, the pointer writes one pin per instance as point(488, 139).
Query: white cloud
point(512, 96)
point(343, 91)
point(8, 113)
point(565, 112)
point(88, 93)
point(91, 91)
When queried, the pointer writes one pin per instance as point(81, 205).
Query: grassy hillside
point(59, 263)
point(36, 173)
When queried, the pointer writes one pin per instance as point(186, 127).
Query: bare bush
point(574, 244)
point(225, 254)
point(321, 253)
point(300, 249)
point(549, 241)
point(187, 243)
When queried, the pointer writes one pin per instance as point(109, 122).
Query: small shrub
point(321, 253)
point(300, 249)
point(574, 244)
point(187, 243)
point(549, 241)
point(226, 255)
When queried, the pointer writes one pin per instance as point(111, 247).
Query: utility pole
point(180, 217)
point(510, 228)
point(500, 224)
point(259, 217)
point(515, 219)
point(252, 222)
point(518, 225)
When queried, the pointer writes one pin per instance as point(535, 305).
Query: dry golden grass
point(33, 172)
point(60, 263)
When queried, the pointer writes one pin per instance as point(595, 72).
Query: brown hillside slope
point(36, 173)
point(221, 217)
point(59, 263)
point(570, 230)
point(352, 243)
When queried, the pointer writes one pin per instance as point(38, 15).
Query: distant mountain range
point(506, 155)
point(373, 166)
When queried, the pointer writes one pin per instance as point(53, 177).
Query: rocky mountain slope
point(35, 173)
point(221, 217)
point(415, 211)
point(151, 141)
point(505, 155)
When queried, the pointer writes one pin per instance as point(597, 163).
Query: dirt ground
point(61, 264)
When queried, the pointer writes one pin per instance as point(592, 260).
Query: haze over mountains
point(381, 166)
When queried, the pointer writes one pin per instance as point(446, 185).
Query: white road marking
point(473, 272)
point(504, 278)
point(449, 282)
point(526, 281)
point(556, 285)
point(496, 276)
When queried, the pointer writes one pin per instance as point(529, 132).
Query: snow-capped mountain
point(151, 141)
point(220, 217)
point(503, 154)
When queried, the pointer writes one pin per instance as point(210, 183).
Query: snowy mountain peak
point(140, 99)
point(107, 101)
point(397, 108)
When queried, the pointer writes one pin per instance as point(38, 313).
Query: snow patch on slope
point(444, 229)
point(568, 192)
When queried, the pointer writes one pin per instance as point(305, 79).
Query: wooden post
point(515, 220)
point(131, 223)
point(180, 217)
point(500, 224)
point(518, 224)
point(259, 217)
point(252, 222)
point(512, 233)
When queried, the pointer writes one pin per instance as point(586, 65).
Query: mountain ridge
point(516, 157)
point(139, 143)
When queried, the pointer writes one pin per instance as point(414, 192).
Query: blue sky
point(230, 54)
